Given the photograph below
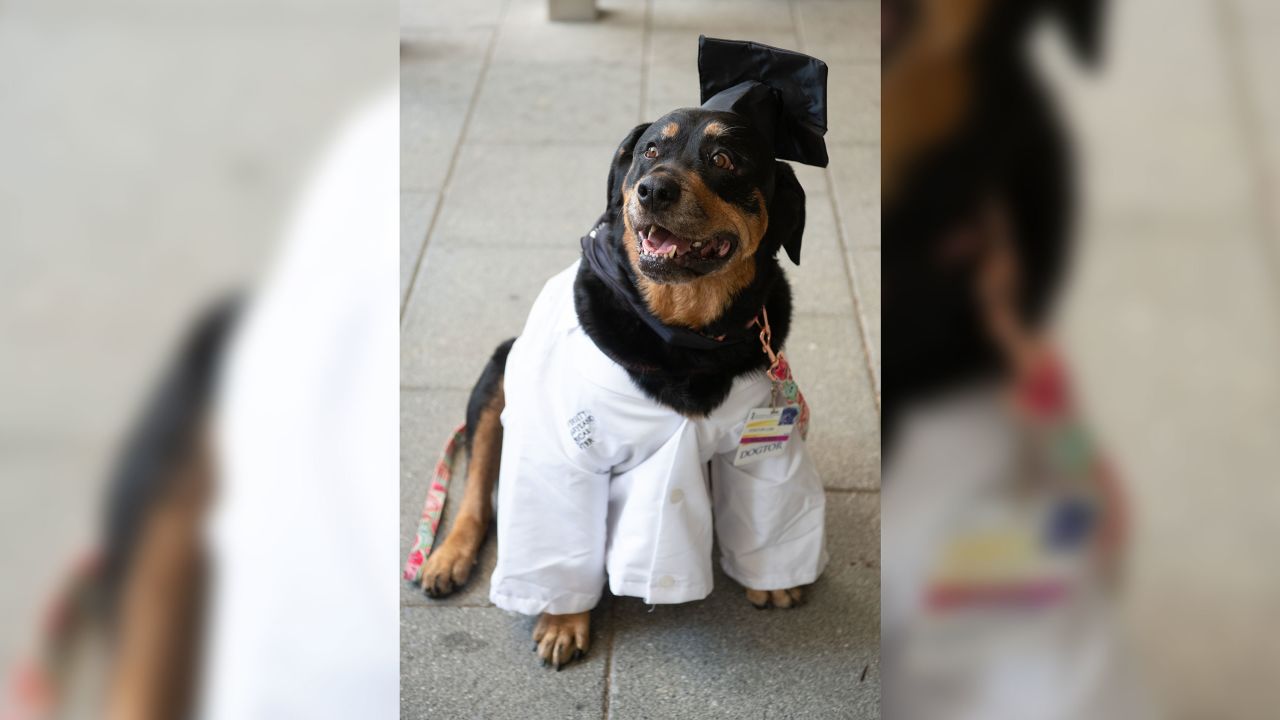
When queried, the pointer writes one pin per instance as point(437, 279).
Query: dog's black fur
point(694, 381)
point(167, 428)
point(486, 388)
point(1011, 148)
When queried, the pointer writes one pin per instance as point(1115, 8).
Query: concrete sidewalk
point(508, 123)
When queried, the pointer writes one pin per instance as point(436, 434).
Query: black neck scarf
point(613, 269)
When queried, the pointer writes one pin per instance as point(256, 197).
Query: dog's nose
point(657, 192)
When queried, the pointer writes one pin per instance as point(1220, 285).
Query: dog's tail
point(481, 434)
point(170, 425)
point(487, 396)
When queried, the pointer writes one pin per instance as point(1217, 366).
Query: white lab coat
point(959, 459)
point(307, 438)
point(599, 479)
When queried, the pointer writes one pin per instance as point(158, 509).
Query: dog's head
point(703, 200)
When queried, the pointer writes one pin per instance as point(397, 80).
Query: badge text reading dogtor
point(766, 433)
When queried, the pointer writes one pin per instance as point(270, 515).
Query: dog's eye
point(722, 161)
point(651, 151)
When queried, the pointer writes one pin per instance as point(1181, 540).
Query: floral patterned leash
point(434, 506)
point(35, 686)
point(785, 389)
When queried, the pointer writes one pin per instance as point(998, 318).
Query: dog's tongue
point(661, 240)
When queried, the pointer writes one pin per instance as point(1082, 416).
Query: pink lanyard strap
point(434, 506)
point(785, 388)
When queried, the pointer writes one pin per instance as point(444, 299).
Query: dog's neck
point(692, 378)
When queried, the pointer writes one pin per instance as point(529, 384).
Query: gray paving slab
point(1257, 25)
point(416, 209)
point(721, 16)
point(844, 434)
point(562, 103)
point(866, 275)
point(820, 284)
point(416, 14)
point(615, 37)
point(467, 300)
point(439, 71)
point(464, 662)
point(657, 106)
point(813, 179)
point(840, 30)
point(853, 92)
point(426, 419)
point(855, 176)
point(517, 195)
point(722, 658)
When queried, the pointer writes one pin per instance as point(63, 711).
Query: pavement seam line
point(852, 490)
point(443, 193)
point(864, 333)
point(608, 659)
point(646, 57)
point(1249, 121)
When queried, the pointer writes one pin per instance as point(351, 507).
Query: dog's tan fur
point(562, 638)
point(925, 89)
point(699, 303)
point(783, 599)
point(154, 664)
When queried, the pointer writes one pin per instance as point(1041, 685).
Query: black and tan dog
point(673, 278)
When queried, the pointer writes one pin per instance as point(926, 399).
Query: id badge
point(766, 433)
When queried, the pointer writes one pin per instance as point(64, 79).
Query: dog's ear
point(786, 214)
point(621, 164)
point(1083, 23)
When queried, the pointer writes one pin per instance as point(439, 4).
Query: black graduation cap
point(784, 93)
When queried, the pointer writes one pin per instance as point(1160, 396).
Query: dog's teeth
point(697, 244)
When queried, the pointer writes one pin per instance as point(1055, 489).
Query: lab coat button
point(666, 581)
point(676, 496)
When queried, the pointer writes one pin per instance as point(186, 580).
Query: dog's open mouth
point(664, 243)
point(665, 255)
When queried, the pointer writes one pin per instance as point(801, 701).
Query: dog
point(697, 210)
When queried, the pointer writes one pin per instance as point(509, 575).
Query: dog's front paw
point(561, 639)
point(448, 566)
point(789, 598)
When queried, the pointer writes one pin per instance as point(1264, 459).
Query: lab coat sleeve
point(551, 530)
point(769, 519)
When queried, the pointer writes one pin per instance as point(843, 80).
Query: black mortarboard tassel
point(783, 92)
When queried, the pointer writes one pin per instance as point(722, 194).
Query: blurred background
point(1168, 322)
point(1172, 320)
point(153, 153)
point(508, 124)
